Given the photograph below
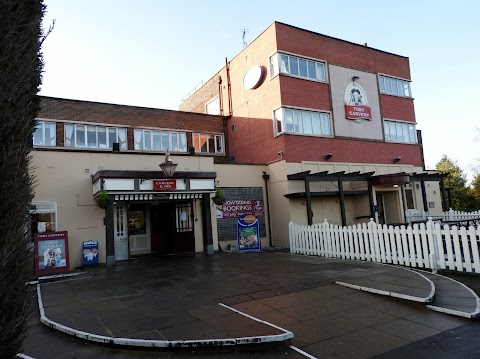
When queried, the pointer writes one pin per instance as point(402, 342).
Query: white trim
point(393, 77)
point(396, 120)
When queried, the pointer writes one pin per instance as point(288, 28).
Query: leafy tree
point(461, 195)
point(20, 77)
point(476, 189)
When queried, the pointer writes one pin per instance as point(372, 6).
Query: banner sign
point(356, 103)
point(358, 112)
point(90, 253)
point(164, 185)
point(248, 234)
point(236, 208)
point(51, 252)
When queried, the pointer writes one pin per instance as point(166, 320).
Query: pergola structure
point(341, 177)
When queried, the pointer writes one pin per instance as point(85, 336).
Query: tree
point(21, 65)
point(476, 189)
point(461, 195)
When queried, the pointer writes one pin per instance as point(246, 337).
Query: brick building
point(82, 150)
point(304, 126)
point(333, 121)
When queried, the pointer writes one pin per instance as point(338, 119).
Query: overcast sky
point(152, 53)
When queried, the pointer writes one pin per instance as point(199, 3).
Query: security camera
point(280, 153)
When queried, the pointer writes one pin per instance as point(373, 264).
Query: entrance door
point(163, 228)
point(380, 208)
point(184, 235)
point(121, 232)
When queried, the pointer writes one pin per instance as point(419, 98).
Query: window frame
point(159, 132)
point(279, 68)
point(196, 136)
point(388, 89)
point(298, 121)
point(43, 122)
point(73, 140)
point(52, 209)
point(405, 131)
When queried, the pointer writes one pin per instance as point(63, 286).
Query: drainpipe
point(267, 207)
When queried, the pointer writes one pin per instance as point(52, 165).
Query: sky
point(152, 53)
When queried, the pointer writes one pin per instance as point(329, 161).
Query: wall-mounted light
point(395, 185)
point(354, 78)
point(328, 156)
point(168, 167)
point(397, 159)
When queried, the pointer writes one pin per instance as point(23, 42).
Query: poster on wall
point(90, 253)
point(237, 208)
point(248, 234)
point(51, 252)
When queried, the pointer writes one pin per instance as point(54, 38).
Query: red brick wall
point(308, 94)
point(303, 148)
point(120, 115)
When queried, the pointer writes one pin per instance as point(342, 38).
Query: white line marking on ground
point(310, 356)
point(257, 319)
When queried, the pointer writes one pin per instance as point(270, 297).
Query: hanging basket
point(103, 203)
point(219, 200)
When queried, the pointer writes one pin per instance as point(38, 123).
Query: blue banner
point(248, 233)
point(90, 253)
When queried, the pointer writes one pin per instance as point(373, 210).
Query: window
point(213, 107)
point(296, 66)
point(400, 132)
point(409, 197)
point(43, 217)
point(45, 134)
point(393, 86)
point(184, 217)
point(157, 140)
point(208, 143)
point(91, 136)
point(302, 122)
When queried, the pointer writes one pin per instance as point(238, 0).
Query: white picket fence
point(451, 215)
point(425, 245)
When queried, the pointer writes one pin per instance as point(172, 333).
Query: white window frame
point(278, 67)
point(216, 102)
point(402, 86)
point(40, 127)
point(48, 207)
point(141, 134)
point(389, 124)
point(216, 137)
point(73, 140)
point(299, 119)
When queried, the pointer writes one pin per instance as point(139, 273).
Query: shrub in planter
point(218, 199)
point(103, 199)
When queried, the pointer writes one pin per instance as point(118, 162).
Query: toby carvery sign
point(164, 185)
point(356, 103)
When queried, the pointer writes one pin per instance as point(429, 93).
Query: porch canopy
point(400, 178)
point(152, 185)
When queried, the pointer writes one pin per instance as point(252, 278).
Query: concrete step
point(453, 297)
point(398, 282)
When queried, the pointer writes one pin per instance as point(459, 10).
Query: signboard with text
point(90, 252)
point(164, 185)
point(248, 234)
point(236, 208)
point(51, 252)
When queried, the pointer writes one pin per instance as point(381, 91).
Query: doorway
point(380, 208)
point(163, 228)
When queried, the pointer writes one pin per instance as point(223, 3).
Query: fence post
point(432, 239)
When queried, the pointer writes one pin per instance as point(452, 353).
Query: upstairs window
point(45, 134)
point(297, 66)
point(400, 132)
point(393, 86)
point(208, 143)
point(157, 140)
point(91, 136)
point(302, 122)
point(213, 107)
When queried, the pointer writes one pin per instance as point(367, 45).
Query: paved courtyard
point(254, 295)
